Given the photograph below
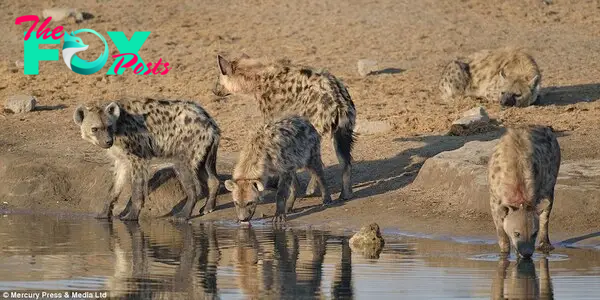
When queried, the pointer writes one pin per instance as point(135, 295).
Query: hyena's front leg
point(291, 198)
point(315, 168)
point(503, 239)
point(121, 172)
point(139, 187)
point(545, 245)
point(312, 186)
point(285, 181)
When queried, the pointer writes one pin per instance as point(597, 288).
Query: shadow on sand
point(376, 177)
point(566, 95)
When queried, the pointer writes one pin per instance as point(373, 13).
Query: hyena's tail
point(344, 136)
point(343, 131)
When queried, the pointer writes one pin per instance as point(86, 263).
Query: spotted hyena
point(138, 132)
point(507, 75)
point(522, 173)
point(283, 88)
point(279, 148)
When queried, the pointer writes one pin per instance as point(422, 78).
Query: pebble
point(475, 120)
point(366, 67)
point(20, 103)
point(61, 13)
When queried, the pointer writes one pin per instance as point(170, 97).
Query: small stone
point(473, 121)
point(474, 115)
point(368, 241)
point(20, 104)
point(61, 13)
point(366, 67)
point(19, 64)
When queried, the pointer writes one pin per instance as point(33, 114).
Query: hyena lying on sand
point(280, 147)
point(522, 173)
point(282, 88)
point(508, 75)
point(138, 131)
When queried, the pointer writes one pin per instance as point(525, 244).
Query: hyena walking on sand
point(280, 147)
point(283, 88)
point(522, 173)
point(508, 75)
point(139, 131)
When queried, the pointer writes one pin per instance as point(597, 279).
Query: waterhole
point(159, 259)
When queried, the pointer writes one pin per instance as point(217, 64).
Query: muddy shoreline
point(409, 211)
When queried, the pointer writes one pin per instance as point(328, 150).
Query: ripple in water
point(536, 256)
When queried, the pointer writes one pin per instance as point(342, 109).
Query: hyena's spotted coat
point(522, 173)
point(283, 88)
point(280, 147)
point(136, 132)
point(507, 75)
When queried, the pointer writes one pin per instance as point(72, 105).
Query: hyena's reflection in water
point(523, 283)
point(150, 264)
point(286, 262)
point(165, 260)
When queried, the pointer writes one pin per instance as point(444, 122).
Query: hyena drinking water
point(138, 131)
point(507, 75)
point(283, 88)
point(522, 173)
point(280, 147)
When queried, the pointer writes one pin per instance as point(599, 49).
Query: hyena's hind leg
point(343, 142)
point(188, 182)
point(282, 196)
point(455, 79)
point(208, 176)
point(315, 168)
point(345, 160)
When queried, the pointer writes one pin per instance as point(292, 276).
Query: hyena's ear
point(230, 185)
point(535, 80)
point(113, 110)
point(502, 74)
point(542, 206)
point(224, 66)
point(502, 211)
point(258, 185)
point(79, 114)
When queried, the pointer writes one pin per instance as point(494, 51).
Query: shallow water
point(160, 259)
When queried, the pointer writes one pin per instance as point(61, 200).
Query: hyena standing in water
point(280, 147)
point(507, 75)
point(283, 88)
point(522, 173)
point(138, 131)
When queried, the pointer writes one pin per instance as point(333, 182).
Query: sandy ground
point(411, 39)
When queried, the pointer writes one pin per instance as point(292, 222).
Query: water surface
point(163, 260)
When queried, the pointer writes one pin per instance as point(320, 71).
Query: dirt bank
point(44, 164)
